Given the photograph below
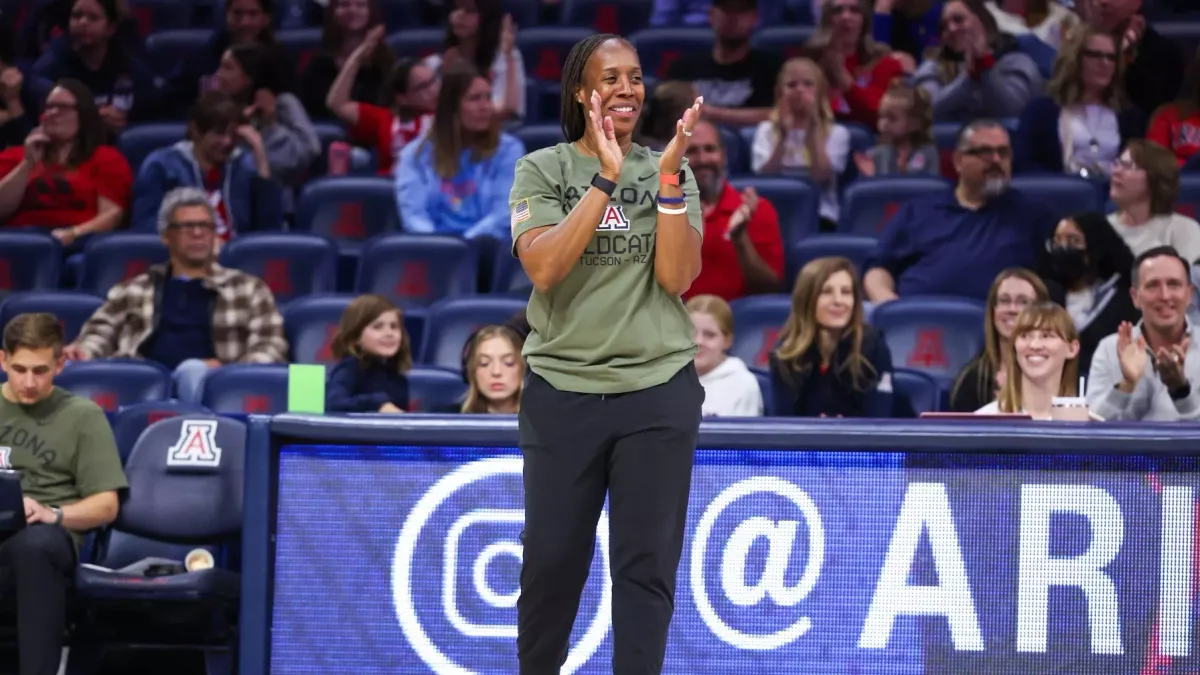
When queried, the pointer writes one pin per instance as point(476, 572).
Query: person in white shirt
point(1042, 360)
point(801, 138)
point(730, 389)
point(479, 31)
point(1145, 185)
point(1147, 371)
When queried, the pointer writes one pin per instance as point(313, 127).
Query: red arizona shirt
point(57, 196)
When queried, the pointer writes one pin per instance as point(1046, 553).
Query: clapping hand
point(741, 216)
point(1131, 353)
point(672, 156)
point(604, 139)
point(1169, 361)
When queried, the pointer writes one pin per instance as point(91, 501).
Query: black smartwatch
point(604, 185)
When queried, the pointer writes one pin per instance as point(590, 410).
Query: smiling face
point(88, 25)
point(352, 16)
point(1042, 354)
point(384, 336)
point(959, 26)
point(1163, 293)
point(1098, 63)
point(1014, 295)
point(60, 116)
point(835, 304)
point(614, 71)
point(711, 342)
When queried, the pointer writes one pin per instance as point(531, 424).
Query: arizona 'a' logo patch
point(5, 457)
point(613, 218)
point(197, 445)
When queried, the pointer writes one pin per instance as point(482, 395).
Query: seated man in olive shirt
point(70, 474)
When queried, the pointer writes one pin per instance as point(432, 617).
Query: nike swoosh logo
point(648, 176)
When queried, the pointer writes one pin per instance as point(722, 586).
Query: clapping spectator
point(980, 380)
point(1153, 63)
point(1176, 125)
point(978, 70)
point(1080, 126)
point(1149, 371)
point(457, 179)
point(1086, 268)
point(21, 96)
point(858, 68)
point(123, 86)
point(224, 156)
point(730, 389)
point(736, 80)
point(829, 361)
point(742, 253)
point(64, 178)
point(905, 136)
point(495, 371)
point(956, 243)
point(405, 113)
point(479, 33)
point(909, 26)
point(1145, 185)
point(374, 355)
point(1047, 20)
point(348, 23)
point(249, 73)
point(802, 138)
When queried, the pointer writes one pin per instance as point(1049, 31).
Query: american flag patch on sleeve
point(520, 212)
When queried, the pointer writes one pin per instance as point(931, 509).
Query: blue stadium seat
point(508, 276)
point(796, 201)
point(249, 388)
point(737, 153)
point(311, 322)
point(658, 48)
point(869, 203)
point(538, 136)
point(856, 247)
point(1183, 32)
point(525, 13)
point(30, 260)
point(417, 270)
point(763, 376)
point(622, 17)
point(862, 139)
point(291, 263)
point(544, 50)
point(185, 492)
point(139, 140)
point(1063, 195)
point(72, 309)
point(338, 207)
point(451, 322)
point(933, 335)
point(417, 42)
point(399, 14)
point(786, 41)
point(1188, 202)
point(300, 44)
point(159, 15)
point(109, 259)
point(916, 392)
point(433, 390)
point(757, 321)
point(113, 383)
point(130, 421)
point(166, 50)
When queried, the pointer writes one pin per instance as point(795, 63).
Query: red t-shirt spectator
point(57, 196)
point(720, 273)
point(860, 103)
point(379, 128)
point(1179, 135)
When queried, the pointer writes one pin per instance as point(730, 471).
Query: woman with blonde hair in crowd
point(730, 389)
point(495, 371)
point(830, 362)
point(978, 382)
point(802, 138)
point(1042, 360)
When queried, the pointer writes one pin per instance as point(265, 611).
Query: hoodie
point(122, 80)
point(731, 390)
point(252, 202)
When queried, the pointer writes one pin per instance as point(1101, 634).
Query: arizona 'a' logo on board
point(197, 445)
point(613, 218)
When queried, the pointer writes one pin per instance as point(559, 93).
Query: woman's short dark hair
point(397, 81)
point(92, 132)
point(446, 136)
point(214, 111)
point(574, 119)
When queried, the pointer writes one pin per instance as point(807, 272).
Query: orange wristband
point(668, 178)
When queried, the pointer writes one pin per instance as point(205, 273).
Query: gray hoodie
point(1001, 91)
point(1150, 400)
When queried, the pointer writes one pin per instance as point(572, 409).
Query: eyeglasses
point(1111, 57)
point(982, 151)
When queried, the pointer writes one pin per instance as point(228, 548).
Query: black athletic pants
point(37, 565)
point(637, 447)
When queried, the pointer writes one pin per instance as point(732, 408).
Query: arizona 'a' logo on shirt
point(197, 445)
point(613, 218)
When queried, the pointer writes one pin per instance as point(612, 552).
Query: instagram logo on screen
point(456, 574)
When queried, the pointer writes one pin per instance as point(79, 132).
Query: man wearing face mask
point(1146, 371)
point(955, 243)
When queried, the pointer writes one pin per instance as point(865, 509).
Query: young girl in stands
point(906, 145)
point(1043, 363)
point(979, 381)
point(64, 179)
point(407, 101)
point(495, 371)
point(730, 389)
point(830, 362)
point(802, 138)
point(374, 354)
point(1176, 125)
point(348, 23)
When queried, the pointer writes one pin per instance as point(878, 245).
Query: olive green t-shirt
point(63, 447)
point(608, 327)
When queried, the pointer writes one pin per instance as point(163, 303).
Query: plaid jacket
point(246, 325)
